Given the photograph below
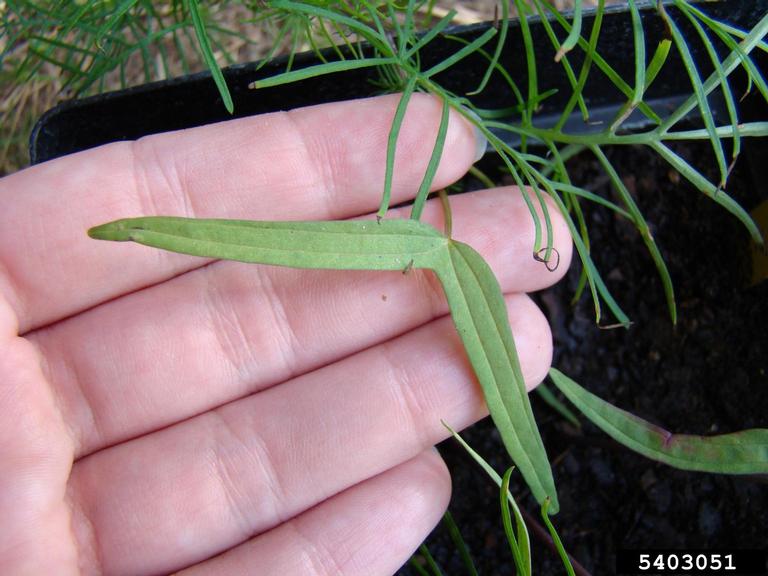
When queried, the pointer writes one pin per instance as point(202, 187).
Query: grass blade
point(699, 93)
point(523, 539)
point(640, 82)
point(458, 541)
point(210, 60)
point(461, 54)
point(556, 540)
point(530, 59)
point(709, 189)
point(743, 452)
point(723, 79)
point(442, 24)
point(603, 65)
point(574, 34)
point(640, 223)
point(394, 133)
point(729, 65)
point(521, 565)
point(499, 47)
point(434, 162)
point(320, 70)
point(553, 39)
point(658, 60)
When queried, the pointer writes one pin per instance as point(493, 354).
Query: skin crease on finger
point(111, 518)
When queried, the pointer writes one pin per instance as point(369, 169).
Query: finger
point(229, 329)
point(370, 529)
point(202, 486)
point(323, 162)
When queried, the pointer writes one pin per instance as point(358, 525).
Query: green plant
point(393, 46)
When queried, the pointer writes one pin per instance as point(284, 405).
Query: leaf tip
point(119, 231)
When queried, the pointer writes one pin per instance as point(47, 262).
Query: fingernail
point(481, 142)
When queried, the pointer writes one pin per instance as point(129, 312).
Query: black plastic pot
point(707, 375)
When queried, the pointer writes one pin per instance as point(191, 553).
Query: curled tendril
point(541, 256)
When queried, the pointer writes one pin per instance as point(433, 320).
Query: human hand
point(160, 412)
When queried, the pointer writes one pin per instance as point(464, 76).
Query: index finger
point(323, 162)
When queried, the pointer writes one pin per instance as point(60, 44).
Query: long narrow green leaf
point(603, 65)
point(566, 560)
point(349, 245)
point(640, 223)
point(480, 315)
point(530, 59)
point(416, 565)
point(458, 541)
point(444, 22)
point(378, 41)
point(474, 296)
point(434, 162)
point(555, 41)
point(394, 133)
point(461, 54)
point(431, 562)
point(743, 452)
point(699, 92)
point(207, 52)
point(121, 11)
point(570, 189)
point(705, 186)
point(639, 40)
point(499, 47)
point(727, 28)
point(723, 31)
point(523, 539)
point(722, 77)
point(504, 74)
point(640, 83)
point(509, 530)
point(320, 70)
point(574, 34)
point(729, 65)
point(596, 284)
point(750, 129)
point(658, 60)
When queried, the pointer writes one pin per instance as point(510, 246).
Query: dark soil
point(707, 375)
